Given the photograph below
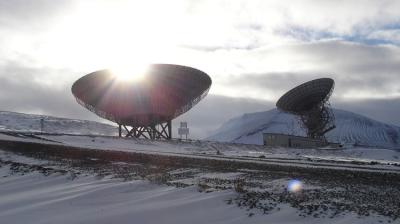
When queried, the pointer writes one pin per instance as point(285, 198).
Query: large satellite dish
point(310, 102)
point(147, 106)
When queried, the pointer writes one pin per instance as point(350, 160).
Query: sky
point(254, 51)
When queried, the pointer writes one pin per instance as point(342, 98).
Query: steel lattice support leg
point(318, 121)
point(160, 131)
point(169, 123)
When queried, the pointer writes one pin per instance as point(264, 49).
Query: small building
point(292, 141)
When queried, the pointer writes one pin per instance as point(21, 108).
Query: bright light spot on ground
point(295, 185)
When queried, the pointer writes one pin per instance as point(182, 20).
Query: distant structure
point(309, 101)
point(183, 130)
point(143, 108)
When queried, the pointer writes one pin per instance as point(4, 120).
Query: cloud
point(31, 14)
point(249, 24)
point(360, 71)
point(386, 36)
point(25, 89)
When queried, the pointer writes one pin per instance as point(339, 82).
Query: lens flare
point(295, 185)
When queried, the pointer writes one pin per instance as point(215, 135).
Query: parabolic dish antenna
point(310, 102)
point(165, 92)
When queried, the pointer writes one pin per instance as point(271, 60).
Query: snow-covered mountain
point(350, 128)
point(30, 122)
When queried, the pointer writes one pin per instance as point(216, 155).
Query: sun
point(136, 73)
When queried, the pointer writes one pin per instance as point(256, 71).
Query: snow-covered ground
point(31, 197)
point(352, 158)
point(228, 149)
point(350, 128)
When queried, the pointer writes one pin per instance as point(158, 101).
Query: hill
point(350, 128)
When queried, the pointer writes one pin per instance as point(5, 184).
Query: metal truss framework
point(318, 121)
point(157, 131)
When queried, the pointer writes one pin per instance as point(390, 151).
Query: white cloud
point(389, 35)
point(360, 71)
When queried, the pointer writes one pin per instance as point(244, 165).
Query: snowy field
point(31, 194)
point(229, 149)
point(380, 156)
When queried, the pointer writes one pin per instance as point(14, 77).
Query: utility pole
point(41, 125)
